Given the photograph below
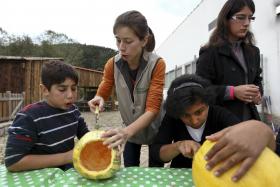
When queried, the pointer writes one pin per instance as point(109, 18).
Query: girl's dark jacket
point(221, 67)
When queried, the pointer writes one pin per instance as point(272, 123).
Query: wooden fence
point(10, 104)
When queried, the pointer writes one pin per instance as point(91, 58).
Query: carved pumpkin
point(92, 159)
point(264, 173)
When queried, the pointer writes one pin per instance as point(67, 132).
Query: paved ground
point(107, 120)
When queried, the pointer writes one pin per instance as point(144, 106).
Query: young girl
point(189, 119)
point(231, 61)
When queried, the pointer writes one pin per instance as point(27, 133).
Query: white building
point(181, 48)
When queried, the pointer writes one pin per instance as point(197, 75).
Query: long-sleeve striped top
point(42, 129)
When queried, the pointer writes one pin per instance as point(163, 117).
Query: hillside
point(52, 44)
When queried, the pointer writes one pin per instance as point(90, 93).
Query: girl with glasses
point(231, 61)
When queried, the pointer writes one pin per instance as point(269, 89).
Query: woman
point(231, 61)
point(138, 77)
point(189, 118)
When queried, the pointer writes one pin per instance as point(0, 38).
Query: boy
point(42, 135)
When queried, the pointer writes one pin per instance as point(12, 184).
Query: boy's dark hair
point(185, 91)
point(138, 23)
point(55, 72)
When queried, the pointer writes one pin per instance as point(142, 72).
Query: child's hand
point(69, 156)
point(188, 148)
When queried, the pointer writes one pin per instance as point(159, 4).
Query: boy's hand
point(188, 148)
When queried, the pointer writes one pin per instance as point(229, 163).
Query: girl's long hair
point(220, 34)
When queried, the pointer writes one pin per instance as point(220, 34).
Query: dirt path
point(106, 121)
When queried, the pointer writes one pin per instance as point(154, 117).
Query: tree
point(21, 46)
point(52, 44)
point(4, 37)
point(55, 38)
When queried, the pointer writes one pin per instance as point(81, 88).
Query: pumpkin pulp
point(95, 156)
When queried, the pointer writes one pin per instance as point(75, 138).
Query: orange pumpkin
point(92, 159)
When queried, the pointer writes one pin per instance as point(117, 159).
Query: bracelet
point(231, 92)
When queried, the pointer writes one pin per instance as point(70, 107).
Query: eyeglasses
point(243, 18)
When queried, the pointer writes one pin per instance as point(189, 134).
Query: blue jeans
point(131, 156)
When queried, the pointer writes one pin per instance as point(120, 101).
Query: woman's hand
point(96, 101)
point(241, 143)
point(257, 99)
point(247, 92)
point(187, 148)
point(115, 138)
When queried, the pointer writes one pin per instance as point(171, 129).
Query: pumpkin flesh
point(94, 160)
